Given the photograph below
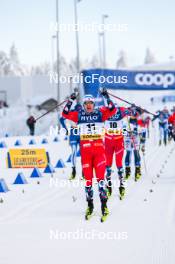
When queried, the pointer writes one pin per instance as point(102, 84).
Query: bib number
point(113, 125)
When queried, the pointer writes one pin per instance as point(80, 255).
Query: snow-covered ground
point(43, 221)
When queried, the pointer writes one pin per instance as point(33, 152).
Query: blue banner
point(127, 80)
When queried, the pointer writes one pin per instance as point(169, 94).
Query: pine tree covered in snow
point(149, 57)
point(4, 61)
point(10, 64)
point(122, 60)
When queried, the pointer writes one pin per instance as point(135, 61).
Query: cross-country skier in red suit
point(91, 123)
point(171, 125)
point(114, 144)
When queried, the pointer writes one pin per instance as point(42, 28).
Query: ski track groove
point(132, 185)
point(29, 207)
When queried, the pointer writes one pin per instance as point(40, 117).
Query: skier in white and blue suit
point(162, 117)
point(74, 139)
point(132, 143)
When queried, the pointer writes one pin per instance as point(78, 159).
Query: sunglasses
point(89, 102)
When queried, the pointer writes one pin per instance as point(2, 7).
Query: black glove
point(133, 106)
point(137, 108)
point(73, 96)
point(69, 103)
point(103, 91)
point(31, 120)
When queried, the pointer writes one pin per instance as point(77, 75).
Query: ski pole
point(125, 101)
point(51, 109)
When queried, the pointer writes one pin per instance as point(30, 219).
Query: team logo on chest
point(88, 118)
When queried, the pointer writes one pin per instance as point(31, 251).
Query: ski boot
point(73, 175)
point(137, 173)
point(122, 192)
point(160, 142)
point(127, 172)
point(104, 210)
point(122, 183)
point(89, 210)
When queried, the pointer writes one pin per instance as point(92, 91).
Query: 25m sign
point(27, 158)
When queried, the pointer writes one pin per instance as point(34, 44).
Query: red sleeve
point(72, 115)
point(122, 109)
point(170, 119)
point(107, 113)
point(141, 123)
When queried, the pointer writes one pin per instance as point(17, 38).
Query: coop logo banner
point(155, 79)
point(127, 80)
point(27, 158)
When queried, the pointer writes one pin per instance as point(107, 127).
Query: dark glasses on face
point(89, 102)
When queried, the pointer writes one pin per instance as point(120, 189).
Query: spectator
point(31, 125)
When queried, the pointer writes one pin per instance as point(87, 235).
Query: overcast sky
point(150, 24)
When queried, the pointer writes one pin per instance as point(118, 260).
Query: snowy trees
point(10, 64)
point(122, 62)
point(42, 69)
point(14, 54)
